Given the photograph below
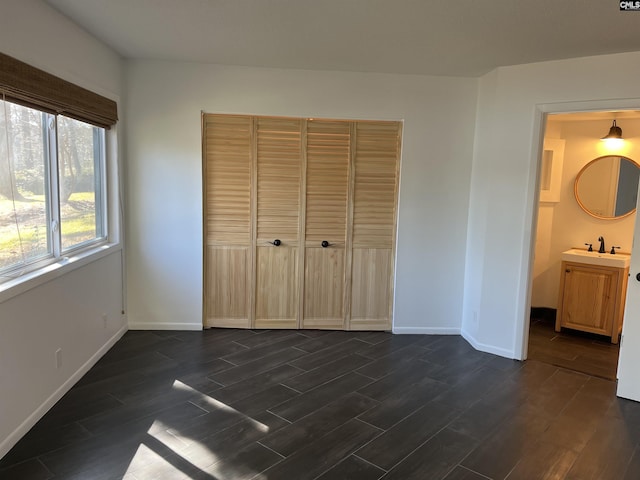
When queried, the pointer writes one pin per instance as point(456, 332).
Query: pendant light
point(613, 140)
point(615, 132)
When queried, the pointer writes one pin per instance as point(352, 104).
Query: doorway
point(573, 149)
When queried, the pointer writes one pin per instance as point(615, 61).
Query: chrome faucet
point(601, 249)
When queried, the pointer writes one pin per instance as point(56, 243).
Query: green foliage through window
point(51, 186)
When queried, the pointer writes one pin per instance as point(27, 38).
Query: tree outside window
point(51, 186)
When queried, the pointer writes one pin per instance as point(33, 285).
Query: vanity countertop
point(619, 260)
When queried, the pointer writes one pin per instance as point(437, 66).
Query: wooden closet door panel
point(279, 171)
point(227, 170)
point(277, 287)
point(328, 152)
point(376, 162)
point(376, 178)
point(327, 185)
point(324, 284)
point(227, 152)
point(279, 143)
point(371, 302)
point(227, 287)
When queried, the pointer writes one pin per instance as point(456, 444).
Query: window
point(52, 195)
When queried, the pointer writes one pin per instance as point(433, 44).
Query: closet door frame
point(252, 247)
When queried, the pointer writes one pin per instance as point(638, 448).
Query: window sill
point(28, 281)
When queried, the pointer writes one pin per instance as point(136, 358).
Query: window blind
point(35, 88)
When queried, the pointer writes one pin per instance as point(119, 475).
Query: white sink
point(620, 260)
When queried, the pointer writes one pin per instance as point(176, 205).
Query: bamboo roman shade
point(29, 86)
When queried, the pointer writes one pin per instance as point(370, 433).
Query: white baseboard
point(164, 326)
point(426, 330)
point(8, 443)
point(483, 347)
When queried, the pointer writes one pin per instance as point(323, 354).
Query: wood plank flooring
point(297, 405)
point(572, 349)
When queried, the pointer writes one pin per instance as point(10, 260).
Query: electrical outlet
point(105, 320)
point(58, 358)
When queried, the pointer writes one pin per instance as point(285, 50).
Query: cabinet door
point(327, 168)
point(227, 226)
point(377, 153)
point(278, 158)
point(589, 298)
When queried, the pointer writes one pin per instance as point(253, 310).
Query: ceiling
point(430, 37)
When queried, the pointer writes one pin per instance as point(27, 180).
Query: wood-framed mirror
point(607, 187)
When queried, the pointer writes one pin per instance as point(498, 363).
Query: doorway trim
point(541, 110)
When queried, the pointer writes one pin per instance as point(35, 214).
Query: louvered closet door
point(377, 149)
point(228, 256)
point(328, 153)
point(278, 155)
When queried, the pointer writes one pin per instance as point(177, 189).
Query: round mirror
point(607, 187)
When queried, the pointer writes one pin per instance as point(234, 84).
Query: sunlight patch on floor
point(153, 465)
point(168, 453)
point(218, 405)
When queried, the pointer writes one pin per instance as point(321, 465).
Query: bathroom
point(571, 142)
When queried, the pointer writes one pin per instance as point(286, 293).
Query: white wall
point(503, 185)
point(66, 312)
point(164, 182)
point(569, 225)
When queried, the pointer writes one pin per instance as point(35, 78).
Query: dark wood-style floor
point(579, 351)
point(296, 405)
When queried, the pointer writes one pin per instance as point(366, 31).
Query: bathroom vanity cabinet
point(592, 298)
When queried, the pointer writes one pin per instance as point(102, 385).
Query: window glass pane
point(80, 181)
point(23, 185)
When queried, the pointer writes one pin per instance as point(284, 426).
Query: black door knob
point(276, 243)
point(638, 276)
point(325, 244)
